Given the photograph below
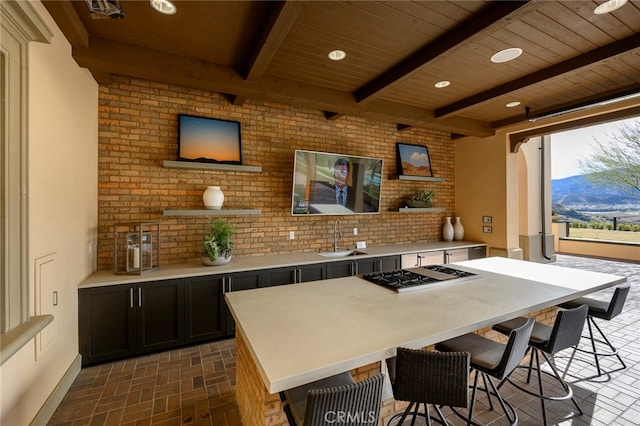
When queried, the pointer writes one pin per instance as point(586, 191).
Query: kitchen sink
point(340, 253)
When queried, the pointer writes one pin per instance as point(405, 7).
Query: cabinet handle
point(224, 285)
point(299, 275)
point(139, 296)
point(131, 298)
point(229, 284)
point(380, 265)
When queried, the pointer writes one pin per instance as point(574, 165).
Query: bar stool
point(335, 399)
point(427, 377)
point(605, 310)
point(547, 340)
point(492, 359)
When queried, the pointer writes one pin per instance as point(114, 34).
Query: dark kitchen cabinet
point(204, 305)
point(237, 282)
point(347, 268)
point(294, 274)
point(125, 320)
point(107, 323)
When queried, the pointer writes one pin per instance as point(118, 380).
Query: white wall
point(62, 196)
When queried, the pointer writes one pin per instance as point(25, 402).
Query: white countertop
point(240, 264)
point(304, 332)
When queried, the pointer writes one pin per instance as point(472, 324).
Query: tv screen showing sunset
point(205, 139)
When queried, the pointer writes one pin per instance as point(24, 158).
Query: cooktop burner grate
point(403, 280)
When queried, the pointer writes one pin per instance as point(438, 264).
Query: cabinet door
point(479, 252)
point(237, 282)
point(389, 263)
point(206, 309)
point(160, 315)
point(456, 255)
point(345, 268)
point(107, 322)
point(280, 276)
point(366, 266)
point(314, 272)
point(431, 258)
point(409, 261)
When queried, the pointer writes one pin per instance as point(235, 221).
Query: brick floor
point(194, 386)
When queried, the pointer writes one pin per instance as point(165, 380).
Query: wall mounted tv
point(335, 184)
point(209, 140)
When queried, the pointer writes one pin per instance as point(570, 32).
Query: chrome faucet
point(337, 235)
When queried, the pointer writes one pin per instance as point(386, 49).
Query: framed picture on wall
point(413, 160)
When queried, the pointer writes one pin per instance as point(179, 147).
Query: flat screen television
point(335, 184)
point(209, 140)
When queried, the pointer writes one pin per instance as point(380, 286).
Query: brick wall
point(139, 130)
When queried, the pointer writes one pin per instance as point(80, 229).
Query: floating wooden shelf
point(167, 164)
point(423, 178)
point(222, 212)
point(421, 210)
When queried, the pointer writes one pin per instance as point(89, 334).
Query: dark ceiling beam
point(462, 33)
point(331, 115)
point(275, 31)
point(69, 22)
point(402, 127)
point(128, 60)
point(517, 139)
point(589, 58)
point(234, 100)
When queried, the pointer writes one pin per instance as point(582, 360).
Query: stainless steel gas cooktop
point(404, 280)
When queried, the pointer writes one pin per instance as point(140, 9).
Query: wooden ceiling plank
point(596, 55)
point(462, 33)
point(136, 62)
point(275, 31)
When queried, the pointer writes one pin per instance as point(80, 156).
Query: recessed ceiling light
point(513, 104)
point(506, 55)
point(609, 6)
point(163, 6)
point(441, 84)
point(337, 55)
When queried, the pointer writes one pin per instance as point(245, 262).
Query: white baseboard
point(54, 400)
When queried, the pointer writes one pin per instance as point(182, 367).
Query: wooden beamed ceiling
point(396, 52)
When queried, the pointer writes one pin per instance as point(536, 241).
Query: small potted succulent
point(420, 199)
point(217, 244)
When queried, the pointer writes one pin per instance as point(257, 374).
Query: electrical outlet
point(487, 219)
point(355, 231)
point(292, 235)
point(487, 229)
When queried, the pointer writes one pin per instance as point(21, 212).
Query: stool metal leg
point(594, 351)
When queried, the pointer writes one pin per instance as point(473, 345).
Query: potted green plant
point(217, 244)
point(420, 199)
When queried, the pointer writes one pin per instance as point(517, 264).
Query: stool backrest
point(515, 349)
point(357, 403)
point(617, 301)
point(567, 329)
point(429, 377)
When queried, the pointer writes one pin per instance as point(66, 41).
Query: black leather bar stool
point(605, 310)
point(547, 340)
point(335, 400)
point(428, 377)
point(492, 359)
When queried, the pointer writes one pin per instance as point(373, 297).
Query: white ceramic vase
point(458, 230)
point(213, 198)
point(447, 229)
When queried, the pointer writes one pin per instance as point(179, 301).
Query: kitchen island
point(289, 336)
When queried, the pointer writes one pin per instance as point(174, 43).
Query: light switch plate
point(487, 229)
point(487, 219)
point(361, 244)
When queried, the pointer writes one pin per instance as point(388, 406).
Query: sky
point(569, 147)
